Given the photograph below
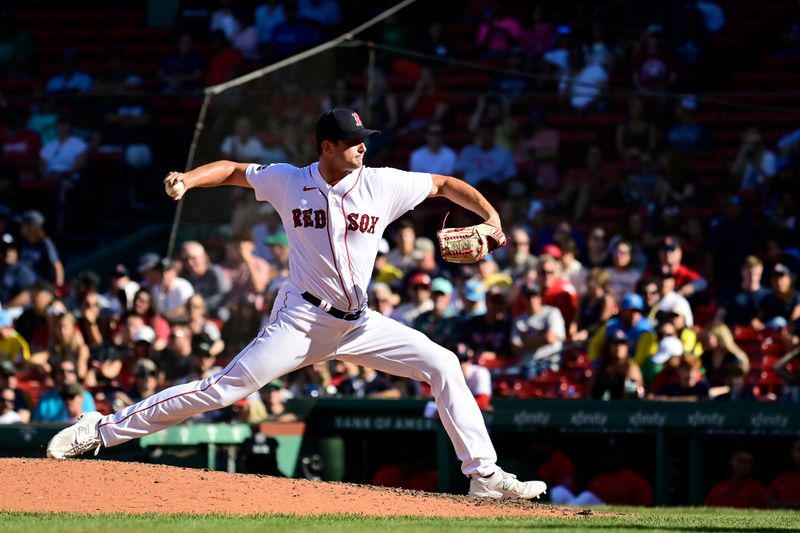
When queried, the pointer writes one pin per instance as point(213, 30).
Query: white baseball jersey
point(334, 230)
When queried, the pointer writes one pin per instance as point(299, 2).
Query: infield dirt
point(93, 486)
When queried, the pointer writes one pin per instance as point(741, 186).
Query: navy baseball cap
point(343, 124)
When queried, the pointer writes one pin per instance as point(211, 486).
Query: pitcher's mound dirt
point(92, 486)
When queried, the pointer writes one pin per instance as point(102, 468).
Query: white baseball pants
point(299, 334)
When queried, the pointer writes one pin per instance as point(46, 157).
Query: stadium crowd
point(654, 257)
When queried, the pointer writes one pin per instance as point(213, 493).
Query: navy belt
point(328, 308)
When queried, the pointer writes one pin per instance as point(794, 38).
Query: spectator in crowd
point(484, 161)
point(439, 323)
point(743, 308)
point(478, 378)
point(268, 14)
point(784, 491)
point(68, 344)
point(582, 85)
point(8, 413)
point(248, 275)
point(571, 268)
point(19, 146)
point(69, 79)
point(244, 145)
point(688, 282)
point(175, 360)
point(740, 490)
point(292, 34)
point(207, 279)
point(419, 299)
point(145, 383)
point(595, 307)
point(674, 302)
point(557, 291)
point(783, 300)
point(538, 335)
point(325, 13)
point(121, 291)
point(500, 32)
point(729, 240)
point(597, 252)
point(53, 404)
point(16, 278)
point(636, 136)
point(490, 274)
point(617, 376)
point(245, 40)
point(143, 307)
point(203, 330)
point(224, 19)
point(492, 109)
point(653, 67)
point(720, 351)
point(690, 384)
point(14, 347)
point(616, 485)
point(687, 137)
point(735, 388)
point(92, 321)
point(9, 380)
point(73, 396)
point(554, 466)
point(225, 62)
point(539, 35)
point(382, 299)
point(182, 70)
point(279, 247)
point(171, 291)
point(661, 368)
point(536, 151)
point(519, 257)
point(472, 296)
point(37, 251)
point(622, 275)
point(64, 157)
point(754, 165)
point(632, 321)
point(34, 322)
point(489, 334)
point(402, 255)
point(646, 185)
point(434, 157)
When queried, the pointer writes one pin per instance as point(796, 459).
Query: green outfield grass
point(624, 519)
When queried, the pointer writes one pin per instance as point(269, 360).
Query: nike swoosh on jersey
point(308, 188)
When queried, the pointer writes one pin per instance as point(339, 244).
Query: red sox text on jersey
point(318, 219)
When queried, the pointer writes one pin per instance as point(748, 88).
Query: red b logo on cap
point(358, 120)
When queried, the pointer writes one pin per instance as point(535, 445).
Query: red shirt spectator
point(559, 292)
point(652, 67)
point(623, 487)
point(20, 146)
point(784, 491)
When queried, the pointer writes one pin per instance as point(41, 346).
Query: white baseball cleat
point(81, 437)
point(504, 485)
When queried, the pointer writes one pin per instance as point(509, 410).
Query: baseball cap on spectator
point(532, 290)
point(420, 278)
point(5, 319)
point(632, 301)
point(343, 124)
point(275, 384)
point(552, 249)
point(31, 217)
point(280, 238)
point(776, 323)
point(441, 285)
point(487, 257)
point(88, 279)
point(7, 241)
point(383, 247)
point(618, 336)
point(7, 369)
point(144, 367)
point(474, 290)
point(148, 261)
point(422, 247)
point(145, 334)
point(781, 270)
point(668, 347)
point(119, 271)
point(670, 243)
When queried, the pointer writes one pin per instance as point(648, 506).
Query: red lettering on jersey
point(364, 225)
point(358, 120)
point(307, 222)
point(296, 218)
point(320, 218)
point(352, 222)
point(374, 221)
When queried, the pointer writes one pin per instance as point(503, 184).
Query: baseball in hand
point(176, 189)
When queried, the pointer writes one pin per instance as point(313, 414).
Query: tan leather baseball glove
point(469, 244)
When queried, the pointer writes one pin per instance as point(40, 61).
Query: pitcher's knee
point(445, 366)
point(224, 394)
